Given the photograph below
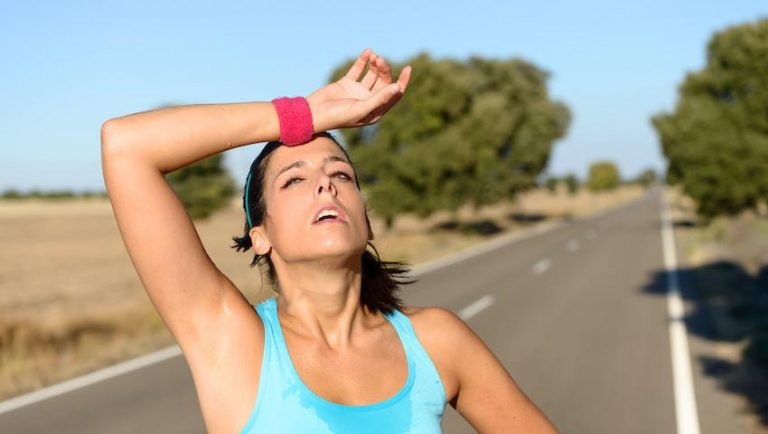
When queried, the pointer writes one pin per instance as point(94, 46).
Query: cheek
point(290, 213)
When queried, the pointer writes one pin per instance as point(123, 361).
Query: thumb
point(379, 99)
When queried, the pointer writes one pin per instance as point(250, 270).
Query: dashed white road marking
point(478, 306)
point(685, 399)
point(572, 246)
point(541, 266)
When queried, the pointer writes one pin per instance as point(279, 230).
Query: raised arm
point(191, 295)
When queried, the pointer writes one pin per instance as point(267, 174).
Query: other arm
point(486, 395)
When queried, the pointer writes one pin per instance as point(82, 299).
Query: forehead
point(312, 152)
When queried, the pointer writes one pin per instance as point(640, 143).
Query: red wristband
point(295, 120)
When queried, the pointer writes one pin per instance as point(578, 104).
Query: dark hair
point(381, 279)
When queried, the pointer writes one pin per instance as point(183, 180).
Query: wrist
point(295, 119)
point(313, 108)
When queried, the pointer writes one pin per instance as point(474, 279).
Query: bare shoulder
point(443, 331)
point(477, 384)
point(439, 323)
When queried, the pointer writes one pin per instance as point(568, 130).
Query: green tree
point(572, 183)
point(603, 176)
point(551, 184)
point(716, 140)
point(12, 193)
point(646, 178)
point(203, 187)
point(476, 131)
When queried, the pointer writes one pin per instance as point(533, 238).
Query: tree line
point(603, 175)
point(13, 193)
point(475, 131)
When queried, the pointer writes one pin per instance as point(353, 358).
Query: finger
point(358, 66)
point(382, 79)
point(377, 100)
point(376, 85)
point(402, 82)
point(404, 78)
point(385, 72)
point(370, 77)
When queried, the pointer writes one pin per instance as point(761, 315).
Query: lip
point(342, 218)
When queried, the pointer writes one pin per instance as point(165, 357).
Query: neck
point(322, 300)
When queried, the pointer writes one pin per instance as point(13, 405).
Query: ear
point(261, 244)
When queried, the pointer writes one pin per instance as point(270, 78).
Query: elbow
point(108, 137)
point(114, 137)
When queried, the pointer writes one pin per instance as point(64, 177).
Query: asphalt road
point(577, 315)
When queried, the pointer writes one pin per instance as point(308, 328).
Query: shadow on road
point(488, 227)
point(479, 227)
point(728, 304)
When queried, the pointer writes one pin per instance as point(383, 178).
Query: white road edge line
point(478, 306)
point(685, 398)
point(416, 270)
point(88, 379)
point(541, 266)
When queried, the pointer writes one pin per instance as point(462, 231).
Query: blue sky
point(68, 66)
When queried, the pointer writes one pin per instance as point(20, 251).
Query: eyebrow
point(300, 163)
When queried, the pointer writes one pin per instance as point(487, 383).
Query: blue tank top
point(286, 405)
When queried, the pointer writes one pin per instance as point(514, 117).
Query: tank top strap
point(402, 324)
point(275, 351)
point(416, 350)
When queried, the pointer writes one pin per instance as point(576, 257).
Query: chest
point(360, 389)
point(367, 371)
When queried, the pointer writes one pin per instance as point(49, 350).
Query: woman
point(335, 351)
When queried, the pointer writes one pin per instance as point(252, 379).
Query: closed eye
point(347, 177)
point(290, 181)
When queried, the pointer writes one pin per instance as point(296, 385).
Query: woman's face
point(299, 181)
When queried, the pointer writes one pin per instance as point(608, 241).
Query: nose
point(325, 185)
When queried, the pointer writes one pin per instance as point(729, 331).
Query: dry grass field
point(71, 302)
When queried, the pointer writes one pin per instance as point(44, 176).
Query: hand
point(351, 103)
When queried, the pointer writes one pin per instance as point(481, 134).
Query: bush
point(572, 183)
point(203, 187)
point(603, 176)
point(647, 178)
point(12, 194)
point(551, 184)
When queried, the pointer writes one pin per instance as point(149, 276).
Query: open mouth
point(328, 219)
point(329, 214)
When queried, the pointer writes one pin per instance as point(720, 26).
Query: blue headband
point(245, 199)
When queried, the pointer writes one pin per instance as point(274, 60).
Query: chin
point(332, 248)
